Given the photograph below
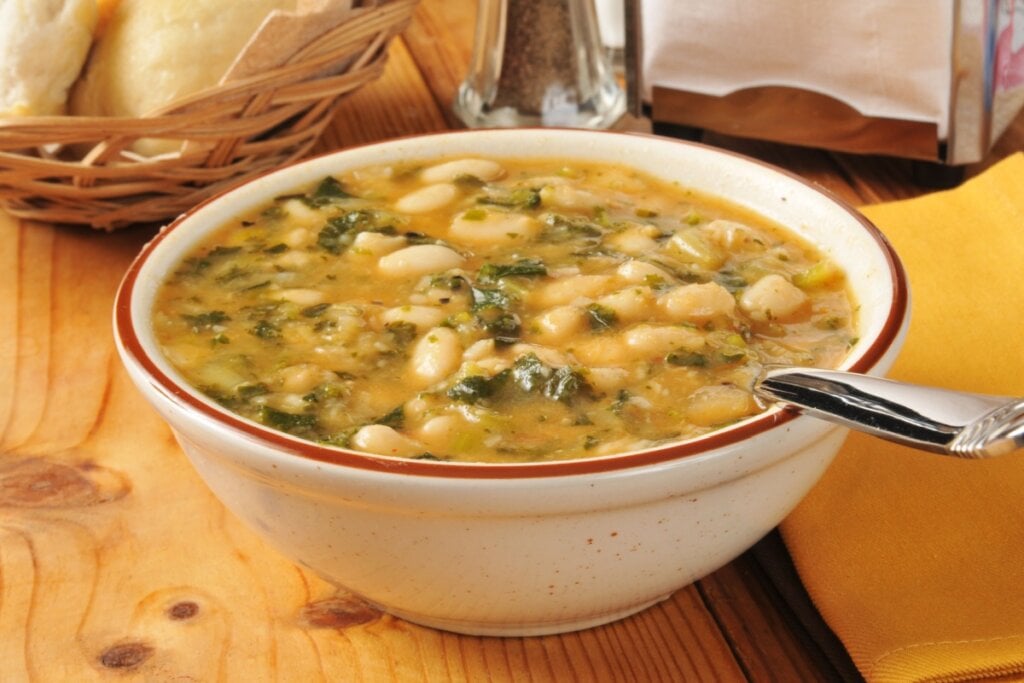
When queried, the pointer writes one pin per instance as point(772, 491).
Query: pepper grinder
point(538, 63)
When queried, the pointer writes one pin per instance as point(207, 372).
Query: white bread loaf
point(154, 51)
point(43, 44)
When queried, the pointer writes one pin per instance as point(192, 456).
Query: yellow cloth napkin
point(915, 560)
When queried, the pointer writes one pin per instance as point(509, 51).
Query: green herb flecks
point(401, 333)
point(314, 311)
point(621, 401)
point(264, 329)
point(194, 266)
point(206, 321)
point(468, 180)
point(687, 359)
point(474, 215)
point(730, 280)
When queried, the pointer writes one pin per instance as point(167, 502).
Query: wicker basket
point(234, 131)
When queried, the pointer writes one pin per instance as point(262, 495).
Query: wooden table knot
point(338, 612)
point(179, 611)
point(44, 483)
point(125, 655)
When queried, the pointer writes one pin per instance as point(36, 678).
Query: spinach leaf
point(251, 389)
point(565, 384)
point(329, 190)
point(315, 310)
point(339, 232)
point(476, 388)
point(206, 321)
point(529, 373)
point(523, 198)
point(525, 267)
point(401, 332)
point(504, 325)
point(289, 422)
point(489, 297)
point(394, 419)
point(558, 229)
point(601, 317)
point(686, 359)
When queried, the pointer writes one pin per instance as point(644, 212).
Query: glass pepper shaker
point(538, 63)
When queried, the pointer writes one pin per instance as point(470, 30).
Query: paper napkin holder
point(977, 84)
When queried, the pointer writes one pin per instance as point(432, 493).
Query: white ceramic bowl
point(521, 549)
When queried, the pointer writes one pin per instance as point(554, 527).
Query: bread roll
point(154, 51)
point(43, 44)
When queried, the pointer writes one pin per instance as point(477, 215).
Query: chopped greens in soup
point(498, 310)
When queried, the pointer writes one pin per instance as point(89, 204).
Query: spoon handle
point(938, 420)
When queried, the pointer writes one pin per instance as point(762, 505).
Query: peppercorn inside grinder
point(538, 63)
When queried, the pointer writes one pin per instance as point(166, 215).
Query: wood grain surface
point(117, 563)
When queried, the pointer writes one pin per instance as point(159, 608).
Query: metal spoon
point(937, 420)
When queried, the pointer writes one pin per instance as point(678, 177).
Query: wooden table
point(117, 563)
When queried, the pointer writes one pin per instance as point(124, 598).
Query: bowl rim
point(132, 350)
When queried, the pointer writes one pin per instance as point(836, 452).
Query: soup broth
point(498, 310)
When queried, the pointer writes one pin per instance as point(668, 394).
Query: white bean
point(607, 379)
point(658, 340)
point(486, 366)
point(772, 298)
point(602, 350)
point(697, 302)
point(439, 432)
point(427, 199)
point(547, 355)
point(479, 350)
point(558, 324)
point(484, 169)
point(728, 234)
point(298, 238)
point(493, 228)
point(630, 305)
point(293, 260)
point(303, 297)
point(301, 378)
point(419, 259)
point(718, 404)
point(384, 440)
point(300, 212)
point(435, 355)
point(423, 317)
point(691, 246)
point(376, 243)
point(567, 290)
point(568, 197)
point(641, 272)
point(634, 242)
